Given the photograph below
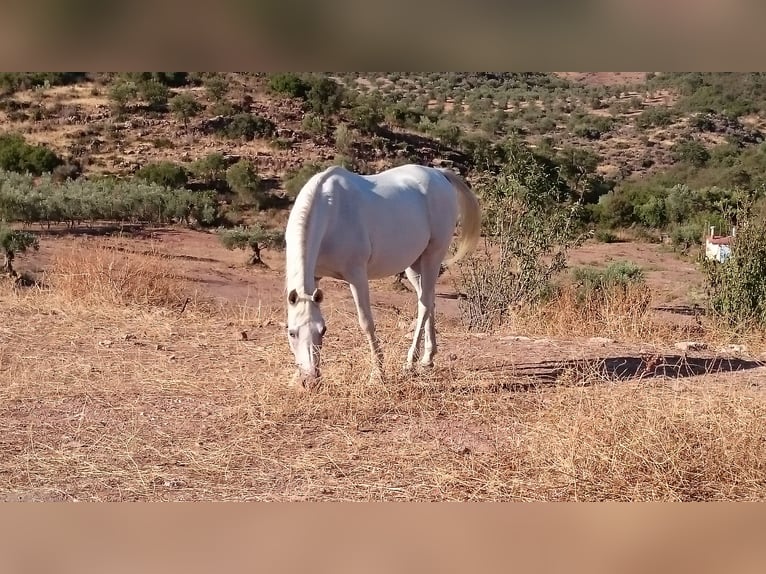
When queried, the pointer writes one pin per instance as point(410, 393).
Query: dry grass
point(97, 274)
point(622, 313)
point(100, 400)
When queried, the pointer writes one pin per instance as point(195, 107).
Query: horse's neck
point(303, 251)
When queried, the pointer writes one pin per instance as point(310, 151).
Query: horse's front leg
point(361, 292)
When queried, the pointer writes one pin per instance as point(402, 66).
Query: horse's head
point(305, 330)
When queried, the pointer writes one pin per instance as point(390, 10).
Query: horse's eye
point(292, 334)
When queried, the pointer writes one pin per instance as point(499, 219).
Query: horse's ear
point(318, 296)
point(292, 297)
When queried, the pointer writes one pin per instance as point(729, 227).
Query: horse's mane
point(299, 228)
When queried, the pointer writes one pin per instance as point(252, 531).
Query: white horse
point(356, 228)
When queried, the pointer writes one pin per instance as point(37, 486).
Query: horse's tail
point(470, 212)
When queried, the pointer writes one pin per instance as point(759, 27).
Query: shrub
point(691, 152)
point(13, 243)
point(684, 237)
point(13, 81)
point(244, 181)
point(121, 94)
point(184, 107)
point(737, 287)
point(164, 173)
point(606, 236)
point(216, 87)
point(655, 116)
point(155, 94)
point(19, 156)
point(530, 223)
point(325, 96)
point(314, 124)
point(255, 238)
point(248, 126)
point(296, 179)
point(366, 118)
point(210, 168)
point(289, 84)
point(344, 139)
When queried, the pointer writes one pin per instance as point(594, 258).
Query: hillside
point(144, 356)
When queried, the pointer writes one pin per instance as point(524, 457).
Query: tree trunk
point(255, 258)
point(8, 264)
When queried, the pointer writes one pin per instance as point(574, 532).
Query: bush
point(344, 139)
point(121, 94)
point(210, 168)
point(19, 156)
point(530, 223)
point(737, 287)
point(184, 107)
point(216, 87)
point(618, 275)
point(606, 236)
point(255, 238)
point(655, 116)
point(248, 126)
point(325, 96)
point(155, 94)
point(244, 181)
point(164, 173)
point(296, 179)
point(13, 243)
point(289, 84)
point(366, 118)
point(691, 152)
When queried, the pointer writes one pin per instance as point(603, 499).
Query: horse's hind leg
point(428, 266)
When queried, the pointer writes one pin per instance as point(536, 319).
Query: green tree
point(255, 238)
point(244, 181)
point(531, 225)
point(155, 94)
point(737, 287)
point(165, 173)
point(185, 106)
point(121, 94)
point(210, 168)
point(13, 243)
point(325, 96)
point(216, 87)
point(19, 156)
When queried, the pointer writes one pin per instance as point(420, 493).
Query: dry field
point(156, 367)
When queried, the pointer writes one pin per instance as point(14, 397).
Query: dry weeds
point(107, 392)
point(98, 274)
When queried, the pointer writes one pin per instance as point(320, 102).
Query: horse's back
point(388, 218)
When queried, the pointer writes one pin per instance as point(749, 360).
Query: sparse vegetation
point(13, 243)
point(185, 107)
point(19, 156)
point(148, 324)
point(531, 223)
point(254, 239)
point(738, 286)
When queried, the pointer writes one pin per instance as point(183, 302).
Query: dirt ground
point(120, 401)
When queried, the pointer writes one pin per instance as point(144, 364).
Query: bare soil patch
point(108, 399)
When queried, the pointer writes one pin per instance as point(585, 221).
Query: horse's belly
point(395, 255)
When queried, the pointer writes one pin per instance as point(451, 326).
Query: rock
point(690, 346)
point(732, 348)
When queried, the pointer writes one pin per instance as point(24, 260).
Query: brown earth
point(109, 400)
